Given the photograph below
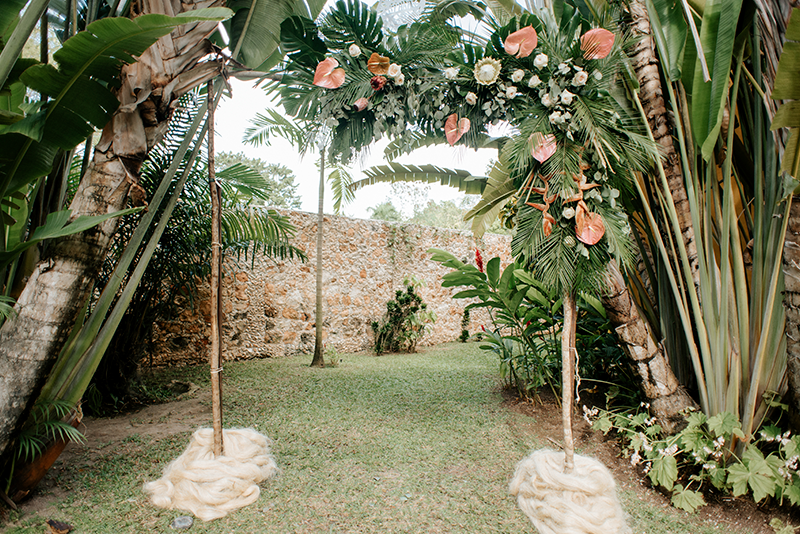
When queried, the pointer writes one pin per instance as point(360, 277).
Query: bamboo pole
point(216, 283)
point(567, 377)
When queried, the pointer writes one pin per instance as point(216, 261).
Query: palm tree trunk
point(791, 301)
point(319, 350)
point(645, 64)
point(48, 306)
point(666, 396)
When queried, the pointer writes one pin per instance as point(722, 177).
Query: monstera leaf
point(787, 87)
point(78, 90)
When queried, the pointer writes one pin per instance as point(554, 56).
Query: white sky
point(233, 118)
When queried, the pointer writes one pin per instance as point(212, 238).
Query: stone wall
point(269, 306)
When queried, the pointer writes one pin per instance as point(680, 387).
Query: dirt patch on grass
point(740, 514)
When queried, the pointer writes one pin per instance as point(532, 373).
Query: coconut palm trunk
point(645, 64)
point(59, 286)
point(666, 396)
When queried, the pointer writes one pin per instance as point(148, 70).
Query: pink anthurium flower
point(589, 227)
point(542, 146)
point(597, 43)
point(454, 128)
point(522, 42)
point(327, 75)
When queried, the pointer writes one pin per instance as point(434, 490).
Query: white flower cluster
point(589, 413)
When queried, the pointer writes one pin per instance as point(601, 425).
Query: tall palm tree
point(304, 138)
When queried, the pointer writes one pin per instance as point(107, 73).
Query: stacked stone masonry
point(269, 305)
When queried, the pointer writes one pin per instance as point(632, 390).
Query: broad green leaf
point(493, 271)
point(669, 29)
point(300, 41)
point(718, 37)
point(603, 424)
point(792, 491)
point(255, 28)
point(664, 471)
point(688, 500)
point(787, 86)
point(724, 424)
point(9, 13)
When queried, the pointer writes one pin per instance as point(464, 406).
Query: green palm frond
point(341, 182)
point(266, 229)
point(352, 21)
point(271, 124)
point(463, 180)
point(245, 181)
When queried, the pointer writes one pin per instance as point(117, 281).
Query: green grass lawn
point(390, 444)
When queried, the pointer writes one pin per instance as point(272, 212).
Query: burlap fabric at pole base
point(581, 502)
point(210, 487)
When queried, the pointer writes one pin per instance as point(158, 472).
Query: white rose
point(580, 78)
point(471, 98)
point(540, 61)
point(511, 91)
point(566, 97)
point(518, 75)
point(394, 70)
point(547, 100)
point(400, 79)
point(556, 118)
point(451, 73)
point(354, 50)
point(597, 75)
point(534, 81)
point(568, 213)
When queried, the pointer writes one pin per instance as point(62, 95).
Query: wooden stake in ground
point(568, 376)
point(216, 283)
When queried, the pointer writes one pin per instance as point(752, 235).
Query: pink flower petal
point(522, 42)
point(455, 128)
point(597, 43)
point(327, 75)
point(543, 146)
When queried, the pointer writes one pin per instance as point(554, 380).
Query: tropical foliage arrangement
point(405, 322)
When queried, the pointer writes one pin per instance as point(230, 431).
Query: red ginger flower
point(479, 260)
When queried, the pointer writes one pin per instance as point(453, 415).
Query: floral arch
point(575, 149)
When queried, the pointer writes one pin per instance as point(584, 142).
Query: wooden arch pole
point(216, 282)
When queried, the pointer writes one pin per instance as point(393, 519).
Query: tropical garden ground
point(402, 443)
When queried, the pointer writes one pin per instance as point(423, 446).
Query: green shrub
point(464, 327)
point(405, 322)
point(709, 452)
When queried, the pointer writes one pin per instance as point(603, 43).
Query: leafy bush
point(405, 322)
point(707, 453)
point(526, 325)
